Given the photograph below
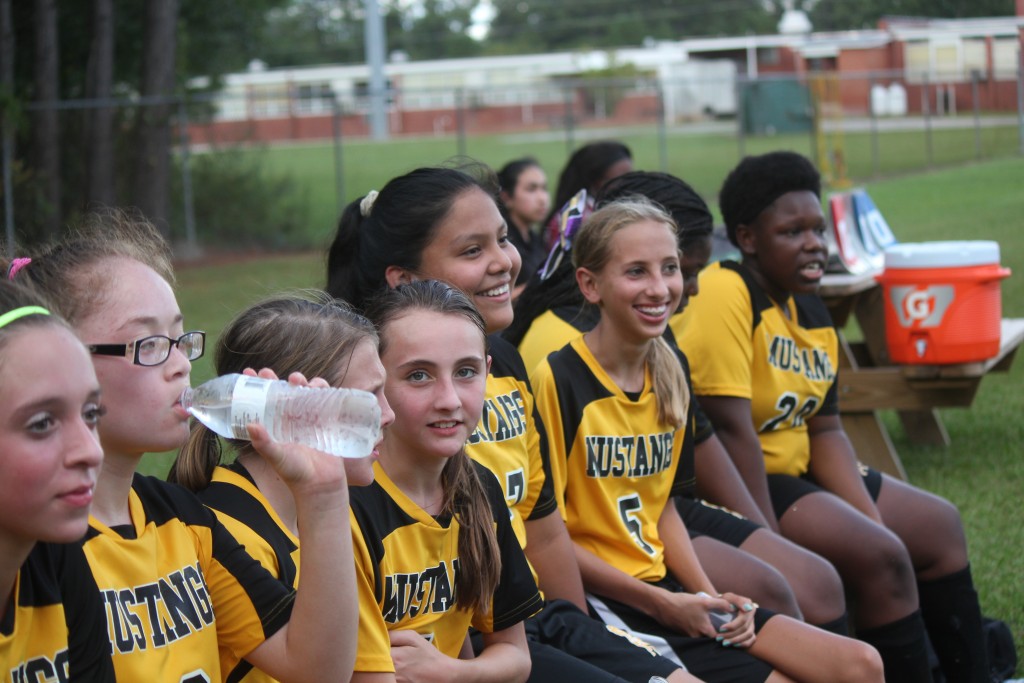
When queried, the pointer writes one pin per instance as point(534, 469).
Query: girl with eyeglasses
point(179, 591)
point(51, 618)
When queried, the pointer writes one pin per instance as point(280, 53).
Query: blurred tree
point(45, 124)
point(99, 122)
point(836, 15)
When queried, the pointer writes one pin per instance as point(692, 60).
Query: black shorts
point(703, 657)
point(704, 519)
point(786, 489)
point(567, 644)
point(561, 631)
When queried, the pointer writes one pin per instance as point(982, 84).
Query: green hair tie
point(10, 316)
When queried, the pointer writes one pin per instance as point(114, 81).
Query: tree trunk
point(45, 122)
point(152, 167)
point(99, 84)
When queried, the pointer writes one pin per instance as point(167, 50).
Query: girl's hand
point(305, 470)
point(688, 614)
point(739, 632)
point(416, 660)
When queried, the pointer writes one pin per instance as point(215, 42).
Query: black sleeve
point(88, 644)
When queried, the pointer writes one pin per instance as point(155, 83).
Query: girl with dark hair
point(524, 204)
point(618, 407)
point(51, 617)
point(766, 359)
point(778, 573)
point(179, 590)
point(312, 334)
point(435, 551)
point(440, 223)
point(589, 168)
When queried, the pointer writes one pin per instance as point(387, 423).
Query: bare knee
point(770, 588)
point(883, 568)
point(863, 664)
point(819, 591)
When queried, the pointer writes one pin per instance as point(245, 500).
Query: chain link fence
point(274, 165)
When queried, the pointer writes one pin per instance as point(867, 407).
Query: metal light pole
point(374, 38)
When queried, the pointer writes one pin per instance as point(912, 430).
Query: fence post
point(460, 122)
point(568, 121)
point(874, 126)
point(8, 155)
point(977, 113)
point(1020, 99)
point(926, 110)
point(339, 167)
point(191, 244)
point(741, 140)
point(662, 131)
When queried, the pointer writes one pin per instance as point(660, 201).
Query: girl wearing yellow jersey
point(434, 548)
point(51, 618)
point(735, 552)
point(312, 334)
point(765, 359)
point(439, 223)
point(618, 408)
point(177, 587)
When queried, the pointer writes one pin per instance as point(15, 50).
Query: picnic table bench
point(870, 382)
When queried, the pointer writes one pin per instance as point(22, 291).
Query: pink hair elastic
point(16, 265)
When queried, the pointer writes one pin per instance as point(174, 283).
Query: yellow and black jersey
point(406, 563)
point(177, 588)
point(784, 360)
point(614, 462)
point(252, 520)
point(553, 329)
point(53, 630)
point(510, 439)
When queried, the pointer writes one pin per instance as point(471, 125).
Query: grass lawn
point(982, 472)
point(702, 159)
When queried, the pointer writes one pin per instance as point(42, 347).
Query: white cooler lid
point(952, 254)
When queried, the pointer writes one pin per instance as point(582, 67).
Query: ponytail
point(668, 383)
point(479, 555)
point(193, 468)
point(343, 256)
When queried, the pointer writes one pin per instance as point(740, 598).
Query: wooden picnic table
point(870, 382)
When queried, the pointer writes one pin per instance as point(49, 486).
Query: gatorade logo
point(920, 308)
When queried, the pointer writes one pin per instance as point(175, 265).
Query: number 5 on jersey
point(628, 508)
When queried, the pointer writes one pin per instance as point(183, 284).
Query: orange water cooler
point(943, 302)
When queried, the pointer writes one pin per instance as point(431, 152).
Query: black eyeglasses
point(154, 350)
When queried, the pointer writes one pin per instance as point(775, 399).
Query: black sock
point(838, 626)
point(952, 616)
point(903, 646)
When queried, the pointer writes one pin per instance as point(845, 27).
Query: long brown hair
point(592, 250)
point(464, 495)
point(307, 332)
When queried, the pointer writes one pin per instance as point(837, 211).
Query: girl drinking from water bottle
point(618, 408)
point(51, 617)
point(177, 587)
point(316, 336)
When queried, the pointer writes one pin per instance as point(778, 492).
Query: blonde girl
point(619, 413)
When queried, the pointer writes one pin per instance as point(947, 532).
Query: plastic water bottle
point(342, 422)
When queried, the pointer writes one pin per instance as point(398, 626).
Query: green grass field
point(702, 159)
point(982, 472)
